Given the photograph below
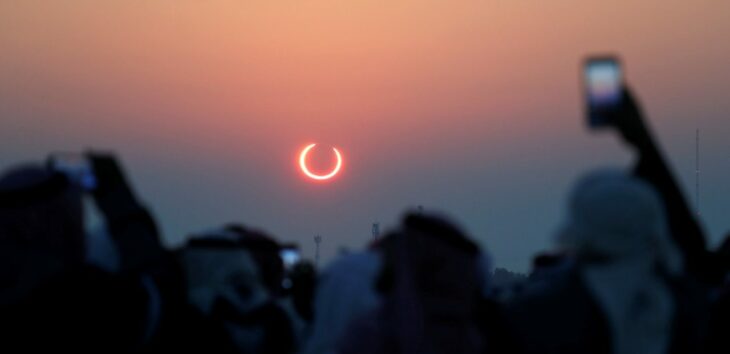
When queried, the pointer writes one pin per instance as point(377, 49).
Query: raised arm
point(130, 224)
point(652, 167)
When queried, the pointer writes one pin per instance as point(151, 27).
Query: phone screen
point(290, 257)
point(604, 83)
point(76, 167)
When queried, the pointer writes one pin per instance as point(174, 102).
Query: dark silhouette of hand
point(131, 226)
point(113, 194)
point(107, 171)
point(629, 122)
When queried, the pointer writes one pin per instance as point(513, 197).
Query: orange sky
point(226, 91)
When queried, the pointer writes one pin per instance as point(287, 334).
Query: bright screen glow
point(604, 83)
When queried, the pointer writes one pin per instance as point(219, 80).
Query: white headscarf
point(619, 221)
point(345, 291)
point(217, 273)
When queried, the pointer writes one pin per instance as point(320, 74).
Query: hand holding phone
point(76, 167)
point(289, 256)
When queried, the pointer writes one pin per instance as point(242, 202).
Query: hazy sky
point(472, 108)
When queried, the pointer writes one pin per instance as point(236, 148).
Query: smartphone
point(604, 83)
point(290, 256)
point(76, 167)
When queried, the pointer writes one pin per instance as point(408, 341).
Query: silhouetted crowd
point(630, 272)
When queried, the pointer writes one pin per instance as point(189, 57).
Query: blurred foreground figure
point(234, 279)
point(651, 167)
point(41, 230)
point(623, 291)
point(50, 296)
point(220, 293)
point(345, 291)
point(431, 286)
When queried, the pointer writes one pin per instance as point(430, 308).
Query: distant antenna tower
point(376, 231)
point(317, 241)
point(697, 171)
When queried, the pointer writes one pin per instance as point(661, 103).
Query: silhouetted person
point(56, 300)
point(345, 291)
point(651, 167)
point(432, 284)
point(233, 279)
point(41, 229)
point(624, 292)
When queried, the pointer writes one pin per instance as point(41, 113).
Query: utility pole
point(376, 231)
point(317, 241)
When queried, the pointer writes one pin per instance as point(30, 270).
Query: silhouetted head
point(445, 266)
point(238, 246)
point(218, 268)
point(613, 216)
point(41, 228)
point(265, 251)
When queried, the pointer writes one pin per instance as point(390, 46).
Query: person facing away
point(623, 292)
point(232, 277)
point(345, 291)
point(41, 229)
point(51, 296)
point(431, 283)
point(48, 295)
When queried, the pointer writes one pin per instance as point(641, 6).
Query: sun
point(314, 176)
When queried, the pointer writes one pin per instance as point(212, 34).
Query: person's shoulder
point(356, 261)
point(352, 268)
point(555, 314)
point(547, 288)
point(561, 297)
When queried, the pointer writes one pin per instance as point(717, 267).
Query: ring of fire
point(305, 169)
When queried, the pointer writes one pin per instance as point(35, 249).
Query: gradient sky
point(471, 108)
